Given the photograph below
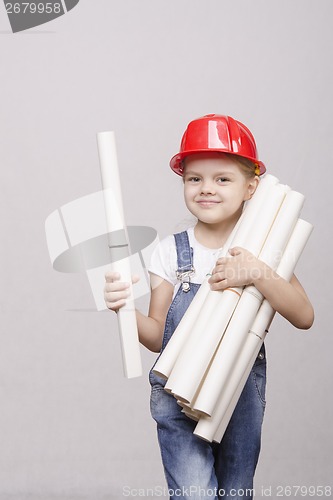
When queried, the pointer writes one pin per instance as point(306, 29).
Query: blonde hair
point(248, 167)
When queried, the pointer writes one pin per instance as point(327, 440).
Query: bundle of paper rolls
point(210, 355)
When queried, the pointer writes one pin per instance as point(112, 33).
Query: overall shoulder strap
point(184, 259)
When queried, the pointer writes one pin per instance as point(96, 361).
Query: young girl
point(220, 169)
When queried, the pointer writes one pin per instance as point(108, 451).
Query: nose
point(207, 187)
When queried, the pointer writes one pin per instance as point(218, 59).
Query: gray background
point(70, 424)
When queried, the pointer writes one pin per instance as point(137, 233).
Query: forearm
point(150, 332)
point(243, 268)
point(288, 299)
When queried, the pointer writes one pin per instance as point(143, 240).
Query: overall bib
point(195, 469)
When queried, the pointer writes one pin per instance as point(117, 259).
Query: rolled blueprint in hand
point(117, 237)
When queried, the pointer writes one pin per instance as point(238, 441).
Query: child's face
point(215, 188)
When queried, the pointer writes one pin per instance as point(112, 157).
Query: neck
point(214, 235)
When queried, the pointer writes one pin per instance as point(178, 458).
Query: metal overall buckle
point(185, 278)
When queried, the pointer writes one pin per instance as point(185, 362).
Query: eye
point(193, 179)
point(223, 180)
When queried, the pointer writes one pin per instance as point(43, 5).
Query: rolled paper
point(117, 237)
point(190, 415)
point(235, 336)
point(139, 260)
point(171, 351)
point(217, 377)
point(193, 361)
point(294, 249)
point(254, 239)
point(218, 435)
point(213, 428)
point(254, 209)
point(282, 229)
point(261, 325)
point(251, 213)
point(167, 360)
point(188, 411)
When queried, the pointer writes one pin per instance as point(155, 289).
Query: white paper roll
point(217, 376)
point(188, 411)
point(252, 353)
point(210, 428)
point(282, 229)
point(237, 331)
point(294, 249)
point(192, 363)
point(262, 224)
point(194, 359)
point(111, 181)
point(115, 221)
point(254, 209)
point(171, 352)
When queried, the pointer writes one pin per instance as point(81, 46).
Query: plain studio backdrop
point(71, 426)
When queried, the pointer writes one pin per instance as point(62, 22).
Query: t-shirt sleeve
point(163, 261)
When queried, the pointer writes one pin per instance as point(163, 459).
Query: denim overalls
point(194, 468)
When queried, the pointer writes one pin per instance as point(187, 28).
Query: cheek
point(189, 191)
point(186, 196)
point(188, 200)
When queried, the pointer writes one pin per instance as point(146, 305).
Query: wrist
point(260, 272)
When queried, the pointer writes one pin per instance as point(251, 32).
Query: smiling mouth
point(207, 203)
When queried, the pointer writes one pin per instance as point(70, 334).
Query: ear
point(251, 187)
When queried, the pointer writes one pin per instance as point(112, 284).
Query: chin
point(210, 220)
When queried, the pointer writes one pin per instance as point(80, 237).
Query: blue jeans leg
point(196, 469)
point(237, 455)
point(188, 460)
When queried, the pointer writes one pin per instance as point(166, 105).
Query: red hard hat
point(216, 133)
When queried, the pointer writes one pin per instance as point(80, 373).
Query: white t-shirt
point(163, 261)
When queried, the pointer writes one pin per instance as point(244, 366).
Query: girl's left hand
point(243, 268)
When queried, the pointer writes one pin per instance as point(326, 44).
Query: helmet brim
point(177, 160)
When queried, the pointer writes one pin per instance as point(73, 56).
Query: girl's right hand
point(116, 292)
